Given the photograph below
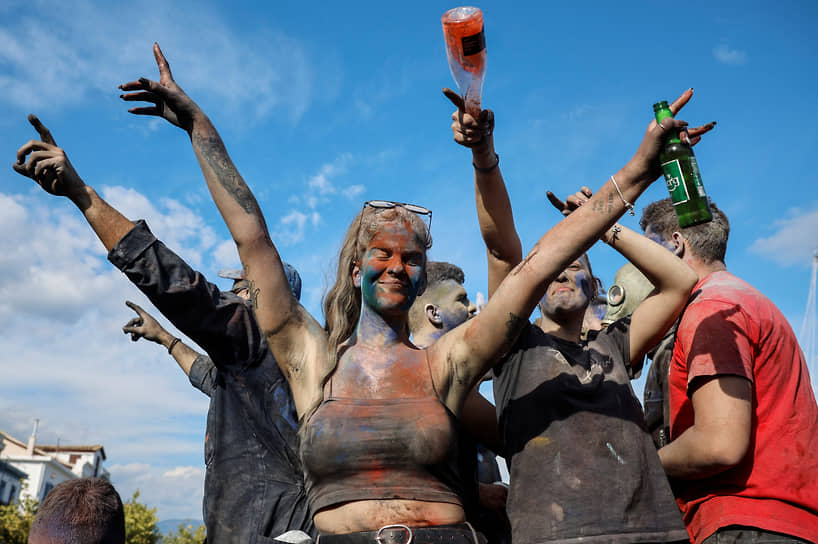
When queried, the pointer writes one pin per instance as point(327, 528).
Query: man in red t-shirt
point(743, 456)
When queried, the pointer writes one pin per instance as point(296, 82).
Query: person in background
point(254, 488)
point(444, 305)
point(743, 456)
point(582, 465)
point(630, 288)
point(84, 510)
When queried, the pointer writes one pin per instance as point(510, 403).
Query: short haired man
point(442, 306)
point(87, 510)
point(744, 422)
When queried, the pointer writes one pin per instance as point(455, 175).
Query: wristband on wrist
point(490, 168)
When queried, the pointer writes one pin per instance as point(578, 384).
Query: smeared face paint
point(453, 304)
point(650, 234)
point(391, 269)
point(569, 292)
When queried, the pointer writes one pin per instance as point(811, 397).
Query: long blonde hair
point(342, 303)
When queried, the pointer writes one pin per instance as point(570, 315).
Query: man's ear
point(356, 275)
point(678, 244)
point(433, 314)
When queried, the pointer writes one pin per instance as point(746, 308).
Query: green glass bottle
point(684, 182)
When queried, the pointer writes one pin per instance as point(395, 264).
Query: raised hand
point(572, 202)
point(169, 100)
point(47, 164)
point(468, 131)
point(645, 163)
point(143, 326)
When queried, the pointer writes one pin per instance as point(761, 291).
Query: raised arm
point(672, 278)
point(503, 248)
point(475, 346)
point(296, 339)
point(48, 165)
point(145, 326)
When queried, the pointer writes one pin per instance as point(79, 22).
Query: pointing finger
point(555, 201)
point(455, 98)
point(162, 63)
point(45, 134)
point(680, 102)
point(135, 307)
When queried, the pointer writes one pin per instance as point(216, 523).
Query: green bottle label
point(675, 180)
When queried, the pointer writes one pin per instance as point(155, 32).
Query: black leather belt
point(460, 533)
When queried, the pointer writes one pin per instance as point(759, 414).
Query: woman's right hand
point(644, 166)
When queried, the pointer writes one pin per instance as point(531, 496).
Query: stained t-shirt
point(583, 467)
point(730, 328)
point(254, 489)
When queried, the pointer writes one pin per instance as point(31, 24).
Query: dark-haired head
point(81, 511)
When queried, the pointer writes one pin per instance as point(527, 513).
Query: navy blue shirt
point(254, 489)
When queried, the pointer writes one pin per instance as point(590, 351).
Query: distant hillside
point(170, 525)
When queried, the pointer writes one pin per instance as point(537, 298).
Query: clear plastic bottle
point(466, 51)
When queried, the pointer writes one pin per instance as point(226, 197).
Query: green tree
point(140, 522)
point(16, 518)
point(185, 535)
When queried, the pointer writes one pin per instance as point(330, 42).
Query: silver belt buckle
point(379, 539)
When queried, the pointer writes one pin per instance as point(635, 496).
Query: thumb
point(455, 98)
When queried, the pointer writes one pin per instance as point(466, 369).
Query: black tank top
point(356, 449)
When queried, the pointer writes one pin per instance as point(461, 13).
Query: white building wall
point(43, 475)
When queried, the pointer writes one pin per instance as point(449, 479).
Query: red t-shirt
point(731, 328)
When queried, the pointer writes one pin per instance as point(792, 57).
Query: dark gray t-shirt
point(583, 467)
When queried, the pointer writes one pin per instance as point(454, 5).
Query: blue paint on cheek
point(583, 281)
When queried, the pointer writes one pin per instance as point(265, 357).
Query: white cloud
point(725, 55)
point(793, 240)
point(181, 488)
point(321, 188)
point(89, 47)
point(353, 191)
point(68, 363)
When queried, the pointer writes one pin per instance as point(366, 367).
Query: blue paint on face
point(655, 237)
point(572, 290)
point(391, 269)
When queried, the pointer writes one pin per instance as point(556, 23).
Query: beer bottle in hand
point(684, 182)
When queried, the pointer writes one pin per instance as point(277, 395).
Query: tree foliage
point(185, 534)
point(15, 520)
point(140, 522)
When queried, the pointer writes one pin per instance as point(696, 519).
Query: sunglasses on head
point(386, 204)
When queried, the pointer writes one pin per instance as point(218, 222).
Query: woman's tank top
point(382, 448)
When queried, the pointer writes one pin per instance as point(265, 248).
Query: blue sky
point(324, 107)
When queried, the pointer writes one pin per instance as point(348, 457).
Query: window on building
point(12, 493)
point(96, 467)
point(3, 498)
point(46, 490)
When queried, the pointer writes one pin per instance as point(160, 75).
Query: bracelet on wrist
point(173, 345)
point(488, 169)
point(614, 236)
point(625, 202)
